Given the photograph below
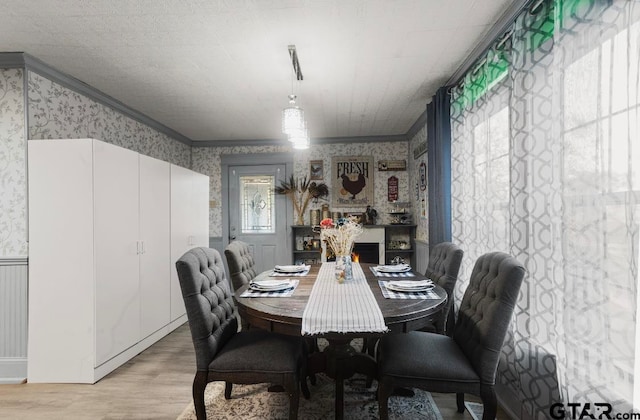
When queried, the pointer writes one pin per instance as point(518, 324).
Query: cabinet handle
point(137, 247)
point(142, 247)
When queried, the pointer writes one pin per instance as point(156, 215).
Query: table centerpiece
point(340, 237)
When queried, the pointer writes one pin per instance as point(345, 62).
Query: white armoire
point(103, 240)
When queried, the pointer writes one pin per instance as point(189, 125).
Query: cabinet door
point(116, 256)
point(155, 256)
point(181, 220)
point(200, 210)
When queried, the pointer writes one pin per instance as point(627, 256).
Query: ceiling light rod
point(295, 63)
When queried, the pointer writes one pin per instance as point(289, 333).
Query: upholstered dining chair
point(467, 361)
point(223, 353)
point(241, 263)
point(443, 267)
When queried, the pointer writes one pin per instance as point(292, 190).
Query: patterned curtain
point(546, 166)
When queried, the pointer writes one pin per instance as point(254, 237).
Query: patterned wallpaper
point(207, 161)
point(13, 200)
point(422, 231)
point(56, 112)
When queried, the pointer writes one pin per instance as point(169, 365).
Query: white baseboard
point(175, 324)
point(13, 370)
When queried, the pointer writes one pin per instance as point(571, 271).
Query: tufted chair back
point(443, 268)
point(209, 302)
point(485, 311)
point(241, 264)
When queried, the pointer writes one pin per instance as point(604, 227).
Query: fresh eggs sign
point(352, 183)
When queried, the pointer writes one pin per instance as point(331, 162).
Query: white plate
point(290, 268)
point(410, 284)
point(393, 268)
point(397, 288)
point(271, 285)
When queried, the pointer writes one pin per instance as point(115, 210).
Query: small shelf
point(307, 251)
point(398, 250)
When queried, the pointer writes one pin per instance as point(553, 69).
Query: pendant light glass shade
point(300, 142)
point(300, 138)
point(298, 133)
point(292, 117)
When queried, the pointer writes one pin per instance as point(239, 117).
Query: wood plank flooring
point(156, 384)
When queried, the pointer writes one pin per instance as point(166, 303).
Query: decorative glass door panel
point(256, 204)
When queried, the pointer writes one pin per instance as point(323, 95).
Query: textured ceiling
point(220, 70)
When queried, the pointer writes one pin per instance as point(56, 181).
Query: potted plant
point(301, 192)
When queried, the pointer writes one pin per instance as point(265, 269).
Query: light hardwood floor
point(156, 384)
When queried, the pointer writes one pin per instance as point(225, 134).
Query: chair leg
point(385, 388)
point(312, 347)
point(228, 386)
point(369, 346)
point(460, 402)
point(489, 401)
point(364, 345)
point(303, 378)
point(293, 390)
point(199, 385)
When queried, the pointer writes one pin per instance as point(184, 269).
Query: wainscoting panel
point(13, 320)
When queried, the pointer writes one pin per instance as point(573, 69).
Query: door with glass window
point(257, 216)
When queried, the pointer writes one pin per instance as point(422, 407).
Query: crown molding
point(12, 60)
point(30, 63)
point(420, 123)
point(360, 139)
point(280, 142)
point(239, 143)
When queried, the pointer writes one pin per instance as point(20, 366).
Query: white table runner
point(344, 308)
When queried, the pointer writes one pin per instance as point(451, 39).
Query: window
point(256, 204)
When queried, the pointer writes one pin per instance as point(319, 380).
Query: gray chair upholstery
point(223, 353)
point(443, 267)
point(241, 263)
point(466, 362)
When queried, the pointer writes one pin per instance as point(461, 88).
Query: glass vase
point(344, 269)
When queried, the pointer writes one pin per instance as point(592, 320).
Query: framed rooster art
point(352, 181)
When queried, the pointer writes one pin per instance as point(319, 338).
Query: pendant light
point(293, 122)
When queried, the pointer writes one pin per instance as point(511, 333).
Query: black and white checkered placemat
point(279, 293)
point(383, 274)
point(391, 294)
point(304, 272)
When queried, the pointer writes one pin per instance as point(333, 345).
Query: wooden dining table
point(339, 360)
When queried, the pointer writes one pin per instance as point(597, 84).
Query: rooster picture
point(353, 187)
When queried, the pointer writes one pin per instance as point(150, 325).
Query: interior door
point(257, 216)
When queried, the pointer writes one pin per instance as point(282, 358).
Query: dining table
point(339, 360)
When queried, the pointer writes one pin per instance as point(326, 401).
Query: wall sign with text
point(352, 181)
point(392, 189)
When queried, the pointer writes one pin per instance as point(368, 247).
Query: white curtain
point(546, 166)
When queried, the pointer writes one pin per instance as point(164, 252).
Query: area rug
point(255, 402)
point(475, 409)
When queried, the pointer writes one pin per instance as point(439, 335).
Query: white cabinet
point(100, 257)
point(115, 245)
point(155, 245)
point(189, 223)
